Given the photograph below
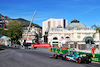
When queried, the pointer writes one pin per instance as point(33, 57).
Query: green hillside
point(24, 22)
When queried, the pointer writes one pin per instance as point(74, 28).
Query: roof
point(77, 25)
point(59, 26)
point(75, 21)
point(5, 38)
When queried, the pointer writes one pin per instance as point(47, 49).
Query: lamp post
point(76, 45)
point(68, 44)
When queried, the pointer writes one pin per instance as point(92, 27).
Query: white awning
point(96, 43)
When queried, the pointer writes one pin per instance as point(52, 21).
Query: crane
point(29, 27)
point(30, 24)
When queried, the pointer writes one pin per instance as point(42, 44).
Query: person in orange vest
point(53, 46)
point(93, 49)
point(58, 47)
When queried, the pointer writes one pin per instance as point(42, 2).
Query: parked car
point(73, 56)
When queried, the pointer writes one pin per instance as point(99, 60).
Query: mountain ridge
point(24, 22)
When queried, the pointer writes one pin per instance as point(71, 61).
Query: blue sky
point(86, 11)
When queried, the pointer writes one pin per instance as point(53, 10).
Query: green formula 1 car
point(73, 56)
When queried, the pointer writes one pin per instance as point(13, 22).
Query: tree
point(3, 32)
point(97, 31)
point(1, 29)
point(14, 30)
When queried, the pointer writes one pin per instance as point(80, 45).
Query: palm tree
point(97, 31)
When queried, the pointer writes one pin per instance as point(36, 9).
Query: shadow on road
point(92, 65)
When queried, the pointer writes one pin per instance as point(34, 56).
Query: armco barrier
point(96, 57)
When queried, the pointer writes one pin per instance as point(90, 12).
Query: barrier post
point(49, 49)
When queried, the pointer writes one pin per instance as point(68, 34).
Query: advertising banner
point(36, 45)
point(45, 45)
point(41, 45)
point(96, 57)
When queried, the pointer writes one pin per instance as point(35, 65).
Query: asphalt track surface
point(35, 58)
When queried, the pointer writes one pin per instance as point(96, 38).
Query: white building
point(5, 40)
point(75, 35)
point(31, 36)
point(52, 23)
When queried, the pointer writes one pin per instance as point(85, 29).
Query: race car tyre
point(88, 61)
point(78, 60)
point(89, 56)
point(63, 57)
point(55, 56)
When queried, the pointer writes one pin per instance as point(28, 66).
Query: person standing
point(93, 49)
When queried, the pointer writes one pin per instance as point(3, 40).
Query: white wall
point(53, 24)
point(74, 36)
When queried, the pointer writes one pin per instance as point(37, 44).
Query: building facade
point(4, 40)
point(31, 36)
point(50, 24)
point(39, 30)
point(75, 35)
point(2, 24)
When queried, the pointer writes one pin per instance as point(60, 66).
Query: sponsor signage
point(96, 57)
point(42, 45)
point(45, 45)
point(36, 45)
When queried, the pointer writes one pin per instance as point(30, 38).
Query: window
point(63, 45)
point(94, 36)
point(68, 34)
point(67, 37)
point(54, 42)
point(30, 35)
point(78, 33)
point(75, 45)
point(62, 37)
point(49, 24)
point(55, 38)
point(64, 24)
point(55, 45)
point(88, 33)
point(0, 26)
point(78, 36)
point(84, 33)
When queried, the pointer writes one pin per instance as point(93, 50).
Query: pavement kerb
point(95, 62)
